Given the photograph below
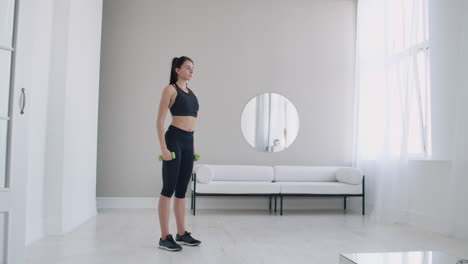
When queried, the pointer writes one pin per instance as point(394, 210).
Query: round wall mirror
point(270, 122)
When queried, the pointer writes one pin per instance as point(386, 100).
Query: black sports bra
point(186, 104)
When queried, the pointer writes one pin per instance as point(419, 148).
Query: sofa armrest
point(349, 175)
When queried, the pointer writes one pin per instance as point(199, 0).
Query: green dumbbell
point(161, 158)
point(196, 156)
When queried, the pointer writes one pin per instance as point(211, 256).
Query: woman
point(176, 173)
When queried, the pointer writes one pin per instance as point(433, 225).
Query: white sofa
point(276, 181)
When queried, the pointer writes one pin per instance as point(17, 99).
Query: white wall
point(303, 50)
point(64, 106)
point(449, 81)
point(444, 40)
point(37, 108)
point(81, 111)
point(460, 167)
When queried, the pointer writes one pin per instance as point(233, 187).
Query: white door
point(15, 82)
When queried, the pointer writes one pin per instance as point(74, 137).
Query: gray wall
point(303, 50)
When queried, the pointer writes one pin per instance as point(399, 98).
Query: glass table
point(411, 257)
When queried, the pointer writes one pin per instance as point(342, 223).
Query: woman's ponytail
point(173, 78)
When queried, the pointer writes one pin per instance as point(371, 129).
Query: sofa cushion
point(204, 174)
point(349, 175)
point(239, 172)
point(237, 187)
point(319, 188)
point(305, 174)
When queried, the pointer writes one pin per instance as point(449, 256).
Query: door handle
point(23, 100)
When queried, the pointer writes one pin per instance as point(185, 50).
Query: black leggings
point(176, 173)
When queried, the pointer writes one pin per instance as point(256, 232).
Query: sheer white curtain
point(392, 95)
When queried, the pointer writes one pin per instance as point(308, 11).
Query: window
point(408, 69)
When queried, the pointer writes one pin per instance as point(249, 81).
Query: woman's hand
point(166, 154)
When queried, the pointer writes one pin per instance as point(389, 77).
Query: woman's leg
point(185, 173)
point(179, 211)
point(164, 208)
point(170, 173)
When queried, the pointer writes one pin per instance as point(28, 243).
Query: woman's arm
point(163, 108)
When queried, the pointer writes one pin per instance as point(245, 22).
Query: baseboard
point(257, 203)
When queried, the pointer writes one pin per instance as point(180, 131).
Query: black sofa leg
point(191, 202)
point(194, 200)
point(275, 203)
point(345, 203)
point(281, 204)
point(363, 195)
point(269, 203)
point(363, 206)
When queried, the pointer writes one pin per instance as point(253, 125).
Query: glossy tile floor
point(232, 236)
